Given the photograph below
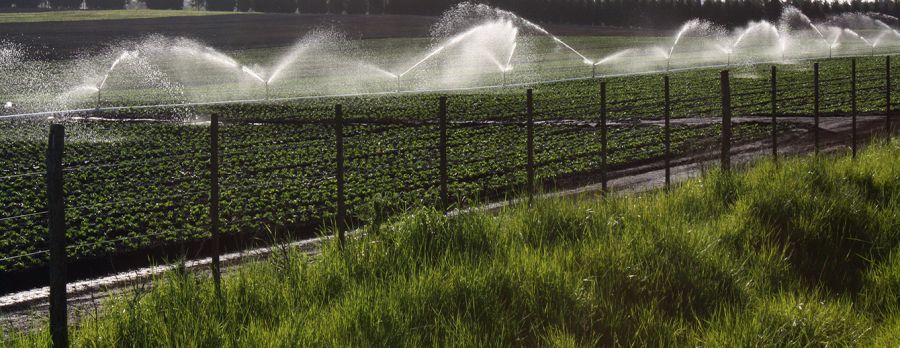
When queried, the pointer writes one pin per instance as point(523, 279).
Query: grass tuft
point(805, 253)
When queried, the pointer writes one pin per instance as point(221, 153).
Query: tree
point(220, 5)
point(164, 4)
point(278, 6)
point(335, 6)
point(105, 4)
point(357, 6)
point(244, 5)
point(65, 4)
point(26, 3)
point(312, 6)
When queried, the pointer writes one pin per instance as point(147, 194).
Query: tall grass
point(805, 253)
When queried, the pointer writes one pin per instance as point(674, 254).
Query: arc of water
point(122, 57)
point(453, 41)
point(834, 42)
point(791, 10)
point(512, 51)
point(125, 55)
point(613, 56)
point(781, 39)
point(380, 70)
point(683, 30)
point(751, 29)
point(220, 59)
point(423, 60)
point(508, 67)
point(687, 26)
point(564, 44)
point(286, 61)
point(527, 23)
point(493, 59)
point(743, 34)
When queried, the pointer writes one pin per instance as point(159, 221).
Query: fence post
point(214, 200)
point(603, 143)
point(887, 95)
point(724, 83)
point(56, 205)
point(853, 102)
point(774, 114)
point(816, 106)
point(341, 208)
point(530, 144)
point(667, 114)
point(445, 199)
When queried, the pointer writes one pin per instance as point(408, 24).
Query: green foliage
point(135, 185)
point(646, 270)
point(791, 320)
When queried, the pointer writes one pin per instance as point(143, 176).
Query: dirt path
point(29, 308)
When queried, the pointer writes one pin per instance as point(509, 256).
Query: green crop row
point(134, 184)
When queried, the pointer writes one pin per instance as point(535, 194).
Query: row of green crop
point(137, 184)
point(693, 93)
point(130, 185)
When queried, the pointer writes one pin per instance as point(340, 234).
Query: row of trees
point(65, 4)
point(644, 13)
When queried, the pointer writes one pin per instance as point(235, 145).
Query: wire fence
point(256, 170)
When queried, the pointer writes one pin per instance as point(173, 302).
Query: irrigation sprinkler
point(399, 83)
point(98, 98)
point(593, 71)
point(266, 84)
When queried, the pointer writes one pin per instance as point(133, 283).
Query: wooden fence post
point(724, 84)
point(887, 95)
point(603, 140)
point(214, 201)
point(774, 114)
point(56, 205)
point(816, 106)
point(530, 144)
point(341, 208)
point(445, 199)
point(667, 114)
point(853, 102)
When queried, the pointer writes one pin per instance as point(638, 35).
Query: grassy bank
point(806, 253)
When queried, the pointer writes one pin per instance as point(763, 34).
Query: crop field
point(139, 177)
point(723, 260)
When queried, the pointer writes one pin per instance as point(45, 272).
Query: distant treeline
point(642, 13)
